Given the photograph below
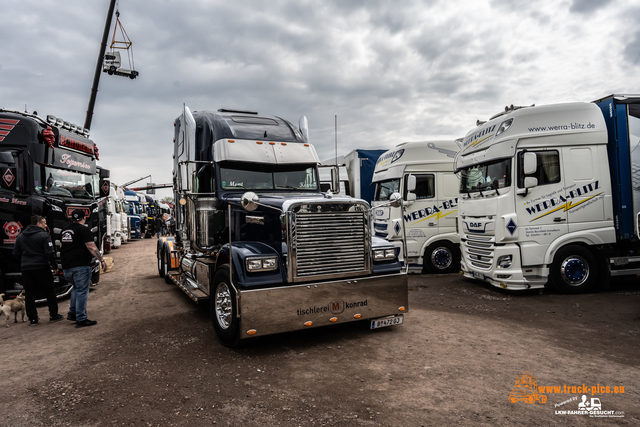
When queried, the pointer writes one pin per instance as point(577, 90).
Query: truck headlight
point(384, 254)
point(505, 261)
point(262, 264)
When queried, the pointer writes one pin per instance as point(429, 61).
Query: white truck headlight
point(384, 254)
point(262, 264)
point(505, 261)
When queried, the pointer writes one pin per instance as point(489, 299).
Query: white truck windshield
point(385, 189)
point(486, 176)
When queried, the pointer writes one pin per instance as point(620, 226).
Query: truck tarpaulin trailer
point(356, 168)
point(429, 212)
point(551, 194)
point(259, 241)
point(48, 168)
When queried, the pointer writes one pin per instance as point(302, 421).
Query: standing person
point(35, 254)
point(77, 252)
point(159, 226)
point(172, 226)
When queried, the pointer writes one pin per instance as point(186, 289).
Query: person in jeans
point(34, 252)
point(77, 252)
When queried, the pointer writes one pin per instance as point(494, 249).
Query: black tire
point(574, 270)
point(162, 268)
point(112, 70)
point(223, 308)
point(441, 257)
point(166, 262)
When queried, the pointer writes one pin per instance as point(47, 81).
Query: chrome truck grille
point(329, 241)
point(478, 251)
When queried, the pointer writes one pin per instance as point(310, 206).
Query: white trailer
point(430, 209)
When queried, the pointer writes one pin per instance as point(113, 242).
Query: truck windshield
point(65, 183)
point(486, 176)
point(298, 178)
point(385, 189)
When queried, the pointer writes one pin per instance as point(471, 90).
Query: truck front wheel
point(574, 270)
point(441, 257)
point(223, 308)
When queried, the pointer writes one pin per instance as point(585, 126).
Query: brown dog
point(14, 305)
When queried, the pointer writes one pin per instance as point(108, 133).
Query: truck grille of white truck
point(329, 245)
point(478, 251)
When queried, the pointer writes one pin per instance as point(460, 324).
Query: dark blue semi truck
point(258, 240)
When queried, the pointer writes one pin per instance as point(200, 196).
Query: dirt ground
point(153, 360)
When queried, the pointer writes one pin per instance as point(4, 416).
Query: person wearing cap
point(77, 252)
point(34, 252)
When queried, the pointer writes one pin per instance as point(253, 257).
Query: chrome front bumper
point(290, 308)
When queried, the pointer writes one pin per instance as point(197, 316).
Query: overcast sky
point(392, 71)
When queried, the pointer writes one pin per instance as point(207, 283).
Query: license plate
point(387, 321)
point(478, 275)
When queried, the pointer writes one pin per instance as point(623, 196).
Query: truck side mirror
point(395, 200)
point(411, 182)
point(530, 182)
point(530, 165)
point(250, 201)
point(411, 197)
point(104, 173)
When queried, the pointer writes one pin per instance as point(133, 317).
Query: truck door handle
point(432, 224)
point(558, 219)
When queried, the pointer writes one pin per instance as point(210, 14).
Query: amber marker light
point(333, 320)
point(258, 142)
point(357, 316)
point(272, 143)
point(252, 332)
point(401, 308)
point(309, 323)
point(306, 145)
point(283, 143)
point(232, 140)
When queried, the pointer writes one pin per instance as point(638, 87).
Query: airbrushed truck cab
point(259, 241)
point(48, 168)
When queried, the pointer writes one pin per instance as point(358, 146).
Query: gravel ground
point(153, 360)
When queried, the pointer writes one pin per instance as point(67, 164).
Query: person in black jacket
point(35, 254)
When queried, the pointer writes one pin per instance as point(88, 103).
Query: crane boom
point(135, 180)
point(151, 187)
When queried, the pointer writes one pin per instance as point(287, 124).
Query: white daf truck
point(430, 204)
point(550, 194)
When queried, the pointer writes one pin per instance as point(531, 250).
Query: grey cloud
point(631, 51)
point(587, 6)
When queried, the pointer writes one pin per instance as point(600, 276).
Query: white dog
point(14, 305)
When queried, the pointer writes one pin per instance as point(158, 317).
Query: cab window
point(548, 171)
point(425, 187)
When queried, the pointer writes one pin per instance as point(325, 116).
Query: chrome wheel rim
point(441, 258)
point(223, 306)
point(574, 270)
